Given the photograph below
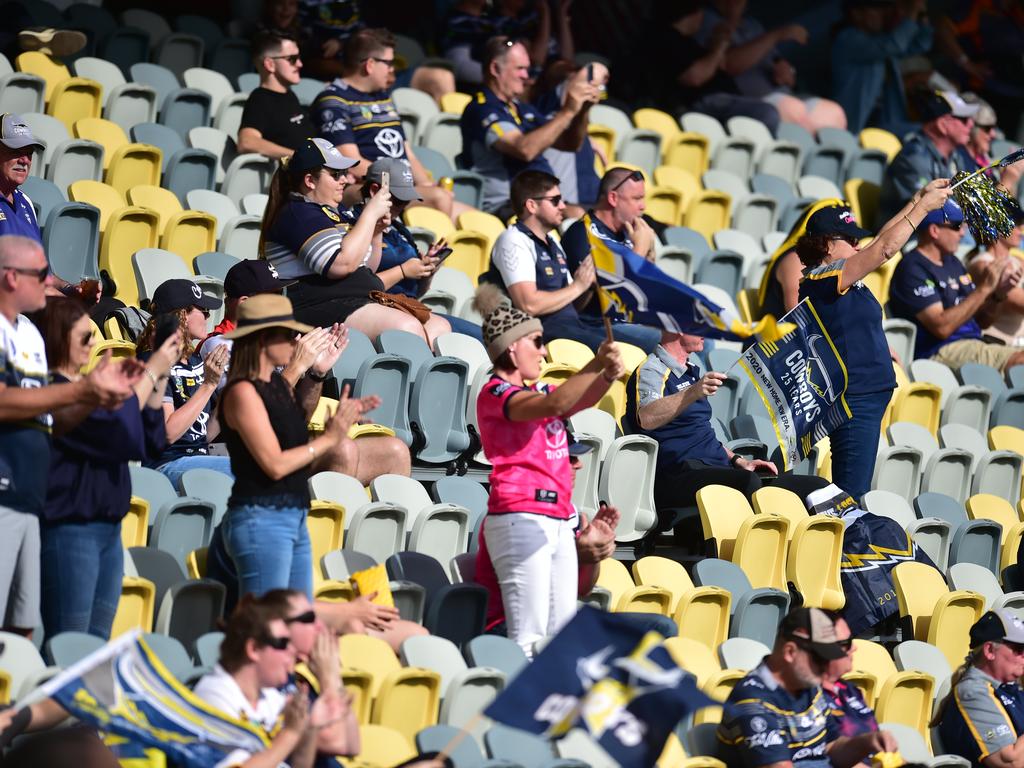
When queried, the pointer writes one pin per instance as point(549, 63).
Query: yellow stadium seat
point(872, 667)
point(408, 701)
point(723, 511)
point(660, 122)
point(325, 408)
point(429, 218)
point(701, 761)
point(197, 563)
point(134, 164)
point(471, 252)
point(326, 525)
point(708, 212)
point(158, 199)
point(455, 102)
point(381, 747)
point(863, 197)
point(632, 357)
point(627, 596)
point(678, 179)
point(665, 204)
point(5, 688)
point(688, 151)
point(987, 506)
point(654, 571)
point(109, 135)
point(1006, 438)
point(112, 329)
point(702, 614)
point(189, 234)
point(135, 608)
point(117, 350)
point(673, 754)
point(878, 138)
point(695, 657)
point(760, 550)
point(878, 282)
point(780, 501)
point(815, 553)
point(357, 431)
point(867, 684)
point(906, 698)
point(718, 689)
point(75, 99)
point(1011, 545)
point(128, 230)
point(135, 525)
point(938, 616)
point(371, 655)
point(569, 352)
point(41, 65)
point(604, 138)
point(357, 685)
point(919, 402)
point(486, 223)
point(555, 373)
point(613, 402)
point(99, 194)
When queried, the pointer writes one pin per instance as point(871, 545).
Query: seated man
point(1008, 323)
point(932, 289)
point(850, 715)
point(778, 716)
point(502, 136)
point(530, 266)
point(666, 399)
point(981, 718)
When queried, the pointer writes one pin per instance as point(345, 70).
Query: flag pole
point(458, 738)
point(794, 309)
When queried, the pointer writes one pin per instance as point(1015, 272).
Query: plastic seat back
point(71, 237)
point(813, 563)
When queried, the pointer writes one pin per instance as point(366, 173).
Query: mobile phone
point(164, 327)
point(590, 72)
point(443, 254)
point(385, 180)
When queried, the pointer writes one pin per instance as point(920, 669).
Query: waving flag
point(802, 381)
point(605, 674)
point(123, 689)
point(635, 290)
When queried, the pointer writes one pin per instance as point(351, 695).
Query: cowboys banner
point(802, 381)
point(607, 674)
point(634, 290)
point(123, 689)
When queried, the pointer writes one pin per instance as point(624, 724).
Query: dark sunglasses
point(954, 227)
point(555, 200)
point(335, 174)
point(292, 58)
point(39, 274)
point(962, 119)
point(634, 176)
point(206, 312)
point(988, 128)
point(85, 338)
point(309, 617)
point(389, 63)
point(277, 643)
point(538, 341)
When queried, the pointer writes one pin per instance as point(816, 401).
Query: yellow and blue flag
point(125, 691)
point(608, 675)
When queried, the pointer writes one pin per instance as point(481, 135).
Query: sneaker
point(55, 42)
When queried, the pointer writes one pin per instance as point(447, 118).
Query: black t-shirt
point(674, 54)
point(279, 117)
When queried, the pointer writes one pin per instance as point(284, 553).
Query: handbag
point(407, 304)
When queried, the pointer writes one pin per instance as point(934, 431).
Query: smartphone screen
point(443, 254)
point(590, 73)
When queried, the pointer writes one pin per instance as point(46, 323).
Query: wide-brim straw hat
point(268, 310)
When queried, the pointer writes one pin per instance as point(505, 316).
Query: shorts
point(321, 303)
point(19, 569)
point(964, 351)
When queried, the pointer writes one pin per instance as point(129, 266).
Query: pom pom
point(988, 209)
point(488, 298)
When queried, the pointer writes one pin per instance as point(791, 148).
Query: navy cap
point(835, 220)
point(934, 104)
point(251, 277)
point(319, 153)
point(181, 294)
point(949, 213)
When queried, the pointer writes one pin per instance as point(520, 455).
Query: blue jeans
point(590, 331)
point(463, 326)
point(82, 564)
point(855, 443)
point(270, 548)
point(173, 470)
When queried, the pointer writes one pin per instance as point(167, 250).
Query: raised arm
point(660, 412)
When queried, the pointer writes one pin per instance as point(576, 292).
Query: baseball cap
point(949, 213)
point(250, 277)
point(997, 626)
point(15, 133)
point(815, 629)
point(935, 104)
point(319, 153)
point(576, 448)
point(179, 294)
point(402, 187)
point(835, 220)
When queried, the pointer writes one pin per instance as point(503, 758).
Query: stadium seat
point(443, 134)
point(99, 194)
point(191, 609)
point(627, 482)
point(67, 648)
point(864, 198)
point(20, 659)
point(813, 562)
point(779, 501)
point(919, 402)
point(659, 122)
point(976, 578)
point(756, 613)
point(21, 92)
point(128, 230)
point(185, 233)
point(247, 174)
point(708, 212)
point(825, 162)
point(123, 103)
point(742, 653)
point(416, 104)
point(465, 753)
point(496, 652)
point(973, 541)
point(731, 153)
point(154, 266)
point(135, 608)
point(218, 205)
point(687, 151)
point(996, 472)
point(945, 470)
point(916, 656)
point(135, 524)
point(932, 534)
point(45, 196)
point(523, 748)
point(184, 526)
point(255, 204)
point(381, 745)
point(877, 138)
point(209, 81)
point(75, 159)
point(626, 596)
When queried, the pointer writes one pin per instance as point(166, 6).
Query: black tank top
point(252, 485)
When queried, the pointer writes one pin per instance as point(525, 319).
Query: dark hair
point(613, 178)
point(504, 362)
point(284, 181)
point(494, 49)
point(71, 747)
point(249, 621)
point(529, 184)
point(812, 249)
point(279, 601)
point(364, 44)
point(55, 323)
point(267, 44)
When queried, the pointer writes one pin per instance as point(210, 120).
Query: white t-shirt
point(220, 690)
point(515, 256)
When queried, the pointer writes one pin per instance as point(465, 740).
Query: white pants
point(534, 558)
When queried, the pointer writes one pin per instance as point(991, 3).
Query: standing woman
point(529, 531)
point(89, 487)
point(834, 266)
point(271, 453)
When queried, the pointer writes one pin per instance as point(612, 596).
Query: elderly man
point(980, 719)
point(778, 715)
point(17, 216)
point(502, 136)
point(929, 153)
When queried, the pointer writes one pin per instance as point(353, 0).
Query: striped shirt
point(305, 238)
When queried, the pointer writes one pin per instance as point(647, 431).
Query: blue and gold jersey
point(19, 218)
point(345, 115)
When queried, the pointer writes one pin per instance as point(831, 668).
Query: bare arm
point(527, 297)
point(538, 47)
point(179, 420)
point(352, 150)
point(526, 146)
point(581, 390)
point(362, 236)
point(251, 140)
point(663, 410)
point(1011, 756)
point(788, 274)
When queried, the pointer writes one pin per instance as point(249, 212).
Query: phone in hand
point(164, 327)
point(385, 181)
point(443, 254)
point(590, 72)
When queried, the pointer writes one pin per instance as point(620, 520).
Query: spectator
point(17, 216)
point(502, 136)
point(465, 31)
point(977, 153)
point(402, 269)
point(357, 114)
point(1007, 326)
point(26, 401)
point(617, 218)
point(866, 54)
point(528, 530)
point(271, 453)
point(979, 719)
point(274, 123)
point(546, 38)
point(930, 152)
point(760, 71)
point(666, 399)
point(530, 266)
point(850, 714)
point(778, 715)
point(304, 238)
point(686, 75)
point(329, 25)
point(89, 489)
point(188, 403)
point(931, 288)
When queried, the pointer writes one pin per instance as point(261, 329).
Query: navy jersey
point(20, 218)
point(183, 382)
point(762, 723)
point(519, 256)
point(345, 115)
point(977, 720)
point(577, 248)
point(853, 319)
point(689, 436)
point(25, 443)
point(918, 283)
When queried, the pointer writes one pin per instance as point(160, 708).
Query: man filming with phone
point(402, 269)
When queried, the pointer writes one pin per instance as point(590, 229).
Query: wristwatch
point(318, 379)
point(735, 459)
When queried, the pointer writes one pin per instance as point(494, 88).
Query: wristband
point(913, 226)
point(401, 268)
point(312, 451)
point(735, 460)
point(318, 378)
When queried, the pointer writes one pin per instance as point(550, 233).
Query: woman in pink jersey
point(529, 531)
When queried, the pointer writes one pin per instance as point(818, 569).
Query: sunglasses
point(389, 63)
point(962, 119)
point(309, 617)
point(987, 128)
point(555, 200)
point(538, 341)
point(39, 274)
point(205, 312)
point(335, 174)
point(634, 176)
point(954, 227)
point(292, 58)
point(85, 338)
point(275, 642)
